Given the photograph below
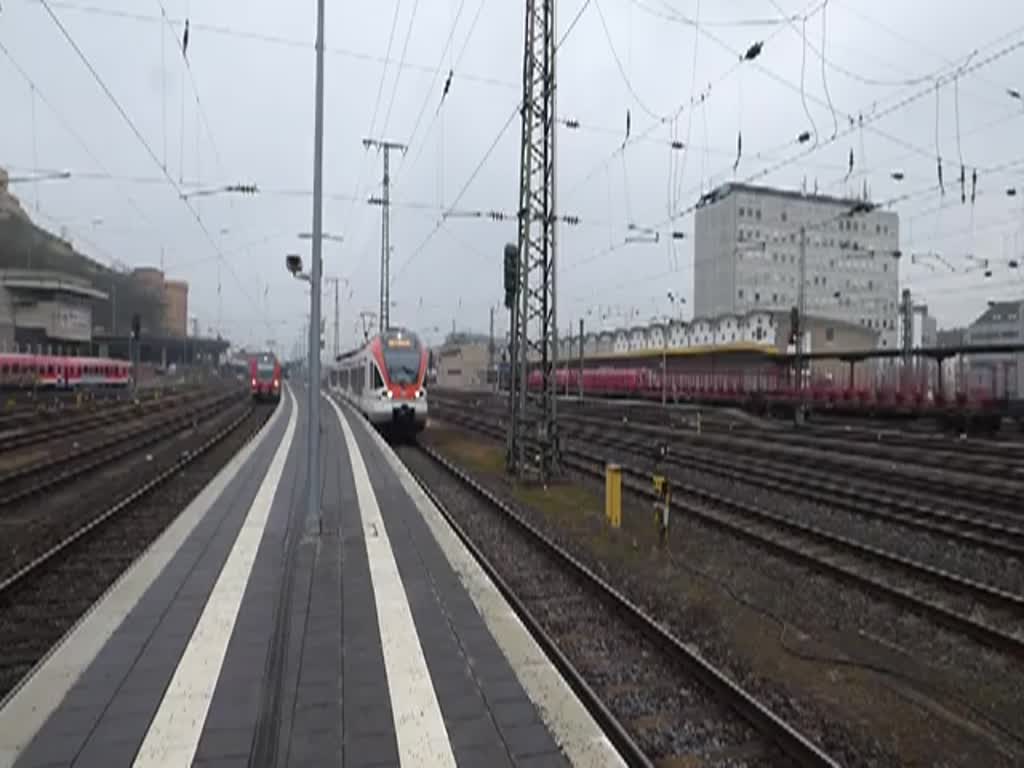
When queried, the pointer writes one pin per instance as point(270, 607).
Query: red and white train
point(385, 379)
point(27, 371)
point(265, 377)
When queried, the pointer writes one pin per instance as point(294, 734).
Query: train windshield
point(402, 359)
point(265, 369)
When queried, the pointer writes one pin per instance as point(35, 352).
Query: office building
point(747, 257)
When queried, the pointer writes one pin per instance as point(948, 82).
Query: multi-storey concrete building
point(998, 375)
point(747, 257)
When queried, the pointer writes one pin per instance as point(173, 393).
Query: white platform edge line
point(28, 708)
point(173, 734)
point(574, 729)
point(419, 727)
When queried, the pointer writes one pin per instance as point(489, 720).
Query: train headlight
point(254, 381)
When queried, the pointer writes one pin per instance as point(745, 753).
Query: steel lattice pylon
point(534, 433)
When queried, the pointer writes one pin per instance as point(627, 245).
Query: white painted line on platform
point(419, 728)
point(173, 735)
point(28, 708)
point(573, 728)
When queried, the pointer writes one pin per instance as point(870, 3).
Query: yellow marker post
point(613, 494)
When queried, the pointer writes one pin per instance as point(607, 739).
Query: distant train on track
point(385, 379)
point(766, 390)
point(25, 371)
point(265, 377)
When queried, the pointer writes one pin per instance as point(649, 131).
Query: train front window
point(403, 365)
point(265, 370)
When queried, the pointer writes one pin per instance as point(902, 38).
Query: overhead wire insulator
point(897, 175)
point(571, 220)
point(963, 185)
point(570, 123)
point(753, 51)
point(974, 184)
point(804, 137)
point(678, 235)
point(676, 144)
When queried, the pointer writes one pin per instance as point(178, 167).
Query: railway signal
point(511, 275)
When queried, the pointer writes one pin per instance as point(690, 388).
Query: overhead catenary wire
point(870, 119)
point(824, 74)
point(490, 150)
point(142, 140)
point(401, 60)
point(270, 39)
point(69, 127)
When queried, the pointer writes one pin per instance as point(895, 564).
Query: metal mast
point(385, 236)
point(314, 321)
point(336, 348)
point(536, 325)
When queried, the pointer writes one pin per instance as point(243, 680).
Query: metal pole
point(385, 307)
point(664, 367)
point(337, 341)
point(581, 360)
point(314, 320)
point(490, 354)
point(801, 324)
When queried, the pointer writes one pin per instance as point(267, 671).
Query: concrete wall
point(462, 366)
point(176, 307)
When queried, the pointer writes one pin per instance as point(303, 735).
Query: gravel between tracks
point(815, 651)
point(34, 524)
point(37, 613)
point(666, 712)
point(972, 562)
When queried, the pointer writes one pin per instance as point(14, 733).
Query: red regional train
point(385, 380)
point(766, 390)
point(27, 371)
point(265, 377)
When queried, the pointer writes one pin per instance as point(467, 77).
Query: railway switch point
point(240, 635)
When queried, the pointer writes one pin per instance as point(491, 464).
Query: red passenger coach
point(265, 377)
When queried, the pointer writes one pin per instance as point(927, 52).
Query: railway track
point(984, 613)
point(105, 447)
point(45, 597)
point(964, 496)
point(58, 425)
point(658, 699)
point(936, 450)
point(993, 497)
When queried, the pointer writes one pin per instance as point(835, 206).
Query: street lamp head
point(294, 263)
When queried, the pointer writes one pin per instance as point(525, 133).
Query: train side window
point(3, 369)
point(378, 382)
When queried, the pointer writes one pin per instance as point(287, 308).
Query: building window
point(775, 298)
point(740, 293)
point(830, 334)
point(757, 297)
point(784, 216)
point(741, 211)
point(757, 214)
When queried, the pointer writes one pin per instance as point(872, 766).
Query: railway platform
point(249, 634)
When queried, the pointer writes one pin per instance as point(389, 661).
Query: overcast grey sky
point(252, 64)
